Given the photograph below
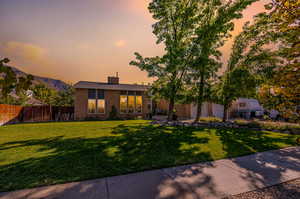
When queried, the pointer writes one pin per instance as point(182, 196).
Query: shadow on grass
point(262, 169)
point(130, 149)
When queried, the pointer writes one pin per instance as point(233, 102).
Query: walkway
point(197, 181)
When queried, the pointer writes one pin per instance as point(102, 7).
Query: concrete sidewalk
point(197, 181)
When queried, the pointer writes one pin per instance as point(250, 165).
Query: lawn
point(50, 153)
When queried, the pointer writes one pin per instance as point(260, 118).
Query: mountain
point(49, 82)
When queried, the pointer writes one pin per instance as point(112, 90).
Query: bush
point(113, 115)
point(281, 126)
point(210, 119)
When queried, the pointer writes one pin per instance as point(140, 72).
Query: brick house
point(95, 100)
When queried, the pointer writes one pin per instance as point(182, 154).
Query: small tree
point(9, 82)
point(113, 114)
point(65, 97)
point(44, 94)
point(235, 83)
point(213, 30)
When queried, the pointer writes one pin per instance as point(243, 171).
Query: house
point(97, 100)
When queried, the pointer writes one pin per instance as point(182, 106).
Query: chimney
point(113, 80)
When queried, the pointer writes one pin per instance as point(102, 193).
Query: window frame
point(95, 104)
point(129, 93)
point(126, 112)
point(96, 98)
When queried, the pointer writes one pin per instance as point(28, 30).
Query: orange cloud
point(28, 57)
point(120, 43)
point(24, 51)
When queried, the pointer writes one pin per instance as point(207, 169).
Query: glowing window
point(131, 103)
point(91, 106)
point(139, 104)
point(100, 106)
point(96, 101)
point(123, 103)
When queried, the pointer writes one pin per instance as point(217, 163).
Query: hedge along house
point(96, 100)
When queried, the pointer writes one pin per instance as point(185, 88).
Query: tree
point(44, 94)
point(243, 70)
point(283, 89)
point(235, 83)
point(176, 21)
point(213, 30)
point(274, 45)
point(65, 97)
point(9, 83)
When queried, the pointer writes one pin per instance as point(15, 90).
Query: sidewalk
point(208, 180)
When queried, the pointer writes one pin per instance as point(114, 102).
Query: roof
point(106, 86)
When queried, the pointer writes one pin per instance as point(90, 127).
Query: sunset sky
point(75, 40)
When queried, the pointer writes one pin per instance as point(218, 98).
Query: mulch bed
point(287, 190)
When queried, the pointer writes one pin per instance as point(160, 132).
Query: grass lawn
point(49, 153)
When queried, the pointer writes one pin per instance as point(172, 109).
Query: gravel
point(287, 190)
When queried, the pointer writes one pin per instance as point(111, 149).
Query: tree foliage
point(192, 32)
point(215, 26)
point(270, 49)
point(52, 97)
point(10, 83)
point(235, 83)
point(44, 94)
point(65, 97)
point(176, 21)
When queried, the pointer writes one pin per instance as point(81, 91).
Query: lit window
point(91, 106)
point(123, 103)
point(100, 106)
point(139, 104)
point(96, 101)
point(131, 103)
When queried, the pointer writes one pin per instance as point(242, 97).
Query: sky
point(85, 40)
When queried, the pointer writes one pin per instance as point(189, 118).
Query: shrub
point(281, 126)
point(210, 119)
point(113, 115)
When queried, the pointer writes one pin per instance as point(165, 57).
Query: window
point(92, 106)
point(96, 101)
point(242, 104)
point(123, 103)
point(100, 106)
point(131, 102)
point(139, 104)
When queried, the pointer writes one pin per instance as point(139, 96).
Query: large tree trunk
point(225, 113)
point(200, 98)
point(171, 109)
point(172, 103)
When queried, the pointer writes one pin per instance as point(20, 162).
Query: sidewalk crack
point(107, 189)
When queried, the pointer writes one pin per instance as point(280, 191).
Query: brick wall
point(80, 105)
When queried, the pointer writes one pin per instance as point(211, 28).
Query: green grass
point(50, 153)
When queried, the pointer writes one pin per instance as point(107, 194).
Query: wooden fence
point(9, 113)
point(17, 114)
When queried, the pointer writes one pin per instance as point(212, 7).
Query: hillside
point(49, 82)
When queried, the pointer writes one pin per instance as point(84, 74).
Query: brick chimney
point(113, 80)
